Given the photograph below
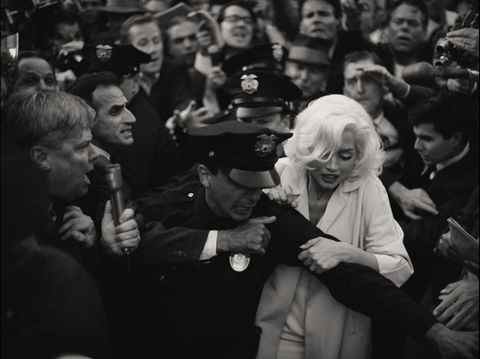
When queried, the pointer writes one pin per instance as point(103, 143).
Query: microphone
point(114, 182)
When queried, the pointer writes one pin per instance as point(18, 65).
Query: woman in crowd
point(331, 170)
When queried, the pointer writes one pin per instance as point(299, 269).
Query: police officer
point(204, 289)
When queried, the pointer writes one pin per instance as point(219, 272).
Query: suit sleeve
point(358, 287)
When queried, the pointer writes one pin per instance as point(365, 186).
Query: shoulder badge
point(265, 145)
point(103, 52)
point(277, 52)
point(250, 84)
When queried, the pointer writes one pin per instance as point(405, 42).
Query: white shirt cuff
point(210, 248)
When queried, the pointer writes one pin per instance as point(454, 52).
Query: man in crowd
point(322, 19)
point(363, 82)
point(406, 33)
point(152, 142)
point(308, 66)
point(33, 72)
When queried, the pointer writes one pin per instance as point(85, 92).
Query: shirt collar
point(442, 165)
point(379, 119)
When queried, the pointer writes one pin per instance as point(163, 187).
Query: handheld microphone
point(114, 181)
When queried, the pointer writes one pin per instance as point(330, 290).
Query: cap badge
point(265, 145)
point(250, 84)
point(104, 52)
point(277, 52)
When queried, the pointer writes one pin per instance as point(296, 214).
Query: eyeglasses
point(235, 19)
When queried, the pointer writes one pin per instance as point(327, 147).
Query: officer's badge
point(265, 145)
point(249, 84)
point(103, 52)
point(239, 262)
point(277, 52)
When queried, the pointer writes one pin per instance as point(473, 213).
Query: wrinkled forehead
point(35, 65)
point(354, 69)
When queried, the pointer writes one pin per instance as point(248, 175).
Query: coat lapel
point(335, 206)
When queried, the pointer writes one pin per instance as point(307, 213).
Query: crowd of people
point(240, 179)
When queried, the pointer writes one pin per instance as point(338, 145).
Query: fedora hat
point(122, 7)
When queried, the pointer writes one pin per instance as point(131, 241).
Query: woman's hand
point(322, 254)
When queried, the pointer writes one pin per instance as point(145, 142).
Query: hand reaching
point(458, 309)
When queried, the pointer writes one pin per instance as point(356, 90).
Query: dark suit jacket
point(209, 302)
point(153, 157)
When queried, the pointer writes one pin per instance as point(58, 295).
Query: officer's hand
point(249, 238)
point(281, 196)
point(121, 238)
point(77, 226)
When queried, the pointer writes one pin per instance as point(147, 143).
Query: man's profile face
point(230, 200)
point(69, 165)
point(406, 30)
point(432, 147)
point(312, 80)
point(114, 123)
point(368, 91)
point(318, 20)
point(35, 73)
point(182, 42)
point(368, 11)
point(66, 33)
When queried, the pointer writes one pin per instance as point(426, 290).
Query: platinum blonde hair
point(318, 134)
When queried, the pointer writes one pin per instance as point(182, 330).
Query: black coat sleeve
point(358, 287)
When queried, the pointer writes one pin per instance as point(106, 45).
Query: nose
point(417, 146)
point(128, 117)
point(332, 164)
point(359, 86)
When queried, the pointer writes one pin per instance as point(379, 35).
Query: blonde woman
point(331, 169)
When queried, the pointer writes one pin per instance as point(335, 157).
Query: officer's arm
point(358, 287)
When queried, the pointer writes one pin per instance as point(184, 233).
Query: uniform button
point(162, 277)
point(190, 195)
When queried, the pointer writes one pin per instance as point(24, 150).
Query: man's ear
point(458, 138)
point(39, 156)
point(204, 175)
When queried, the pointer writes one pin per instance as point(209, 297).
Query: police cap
point(122, 60)
point(247, 152)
